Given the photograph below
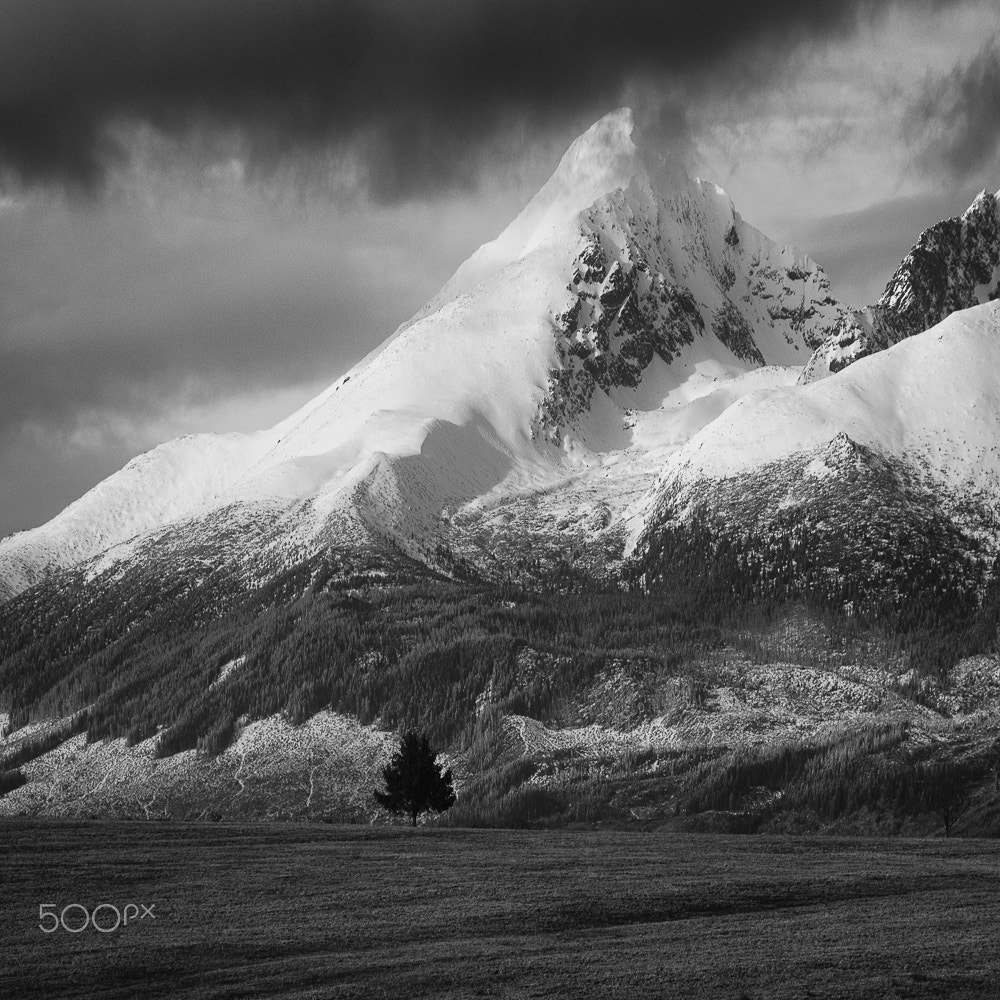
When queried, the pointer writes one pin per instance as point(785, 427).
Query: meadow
point(297, 910)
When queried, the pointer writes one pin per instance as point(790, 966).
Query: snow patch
point(228, 669)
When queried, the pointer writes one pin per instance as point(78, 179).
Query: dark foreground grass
point(310, 911)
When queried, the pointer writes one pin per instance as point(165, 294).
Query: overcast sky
point(209, 209)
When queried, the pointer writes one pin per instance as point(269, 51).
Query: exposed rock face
point(729, 325)
point(659, 270)
point(953, 265)
point(619, 319)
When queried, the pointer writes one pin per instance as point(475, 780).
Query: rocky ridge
point(954, 265)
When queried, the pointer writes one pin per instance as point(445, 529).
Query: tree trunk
point(414, 815)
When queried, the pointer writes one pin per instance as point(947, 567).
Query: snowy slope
point(933, 399)
point(598, 328)
point(173, 481)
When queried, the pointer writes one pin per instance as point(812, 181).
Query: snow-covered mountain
point(623, 309)
point(631, 397)
point(626, 341)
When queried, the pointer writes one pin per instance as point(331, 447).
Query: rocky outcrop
point(953, 265)
point(650, 280)
point(619, 319)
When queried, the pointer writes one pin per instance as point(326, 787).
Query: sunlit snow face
point(201, 289)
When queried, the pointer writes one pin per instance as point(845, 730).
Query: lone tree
point(413, 780)
point(946, 792)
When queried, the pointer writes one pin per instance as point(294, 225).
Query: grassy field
point(314, 911)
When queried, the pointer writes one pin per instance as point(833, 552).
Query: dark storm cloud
point(120, 329)
point(955, 121)
point(420, 91)
point(111, 312)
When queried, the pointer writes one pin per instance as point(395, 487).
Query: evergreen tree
point(413, 780)
point(945, 792)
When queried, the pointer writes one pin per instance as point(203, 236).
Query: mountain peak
point(603, 159)
point(612, 154)
point(984, 201)
point(607, 157)
point(607, 150)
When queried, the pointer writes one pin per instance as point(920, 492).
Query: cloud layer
point(419, 92)
point(955, 120)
